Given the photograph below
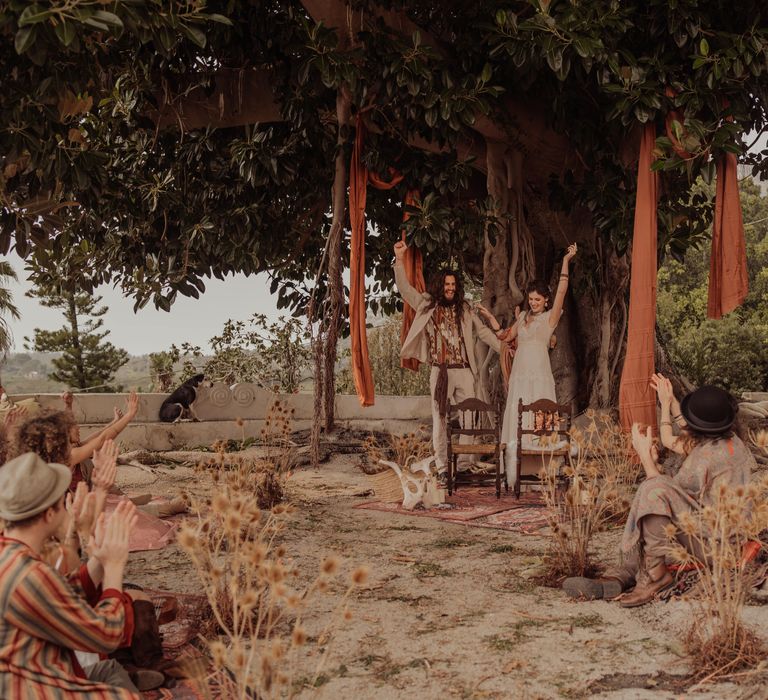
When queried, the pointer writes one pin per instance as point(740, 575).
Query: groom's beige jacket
point(416, 345)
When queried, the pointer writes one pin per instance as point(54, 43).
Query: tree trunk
point(77, 350)
point(335, 281)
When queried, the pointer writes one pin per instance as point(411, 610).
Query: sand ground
point(451, 611)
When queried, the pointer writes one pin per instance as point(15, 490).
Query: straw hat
point(29, 485)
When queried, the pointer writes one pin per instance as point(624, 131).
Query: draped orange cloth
point(359, 177)
point(728, 279)
point(637, 401)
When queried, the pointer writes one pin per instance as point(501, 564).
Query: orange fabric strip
point(358, 181)
point(414, 270)
point(728, 278)
point(637, 401)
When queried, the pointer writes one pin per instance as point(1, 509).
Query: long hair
point(47, 435)
point(539, 287)
point(436, 286)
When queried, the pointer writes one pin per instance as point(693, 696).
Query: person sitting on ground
point(43, 617)
point(49, 435)
point(714, 456)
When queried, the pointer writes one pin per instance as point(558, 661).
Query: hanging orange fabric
point(728, 278)
point(637, 401)
point(414, 271)
point(358, 181)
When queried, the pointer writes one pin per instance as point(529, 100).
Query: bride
point(531, 377)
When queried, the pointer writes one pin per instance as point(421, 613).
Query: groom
point(444, 332)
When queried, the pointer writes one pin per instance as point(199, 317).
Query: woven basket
point(387, 487)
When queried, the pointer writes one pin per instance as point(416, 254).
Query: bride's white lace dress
point(530, 380)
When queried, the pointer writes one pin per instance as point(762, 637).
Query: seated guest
point(44, 618)
point(50, 433)
point(714, 456)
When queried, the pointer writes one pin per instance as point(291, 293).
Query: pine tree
point(87, 360)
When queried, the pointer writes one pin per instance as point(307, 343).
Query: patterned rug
point(470, 504)
point(525, 519)
point(190, 613)
point(149, 533)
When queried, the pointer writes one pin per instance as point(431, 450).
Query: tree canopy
point(155, 144)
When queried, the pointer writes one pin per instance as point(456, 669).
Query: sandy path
point(450, 610)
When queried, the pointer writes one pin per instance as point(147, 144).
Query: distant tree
point(384, 352)
point(87, 360)
point(7, 308)
point(275, 355)
point(161, 368)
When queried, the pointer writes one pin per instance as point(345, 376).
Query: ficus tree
point(162, 143)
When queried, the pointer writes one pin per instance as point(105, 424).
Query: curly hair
point(436, 291)
point(47, 435)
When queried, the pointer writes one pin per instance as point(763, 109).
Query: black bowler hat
point(709, 409)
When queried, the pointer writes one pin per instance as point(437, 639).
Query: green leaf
point(33, 15)
point(704, 47)
point(25, 37)
point(65, 32)
point(485, 76)
point(221, 19)
point(196, 35)
point(96, 24)
point(108, 18)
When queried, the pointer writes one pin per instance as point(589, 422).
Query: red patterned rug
point(149, 533)
point(470, 504)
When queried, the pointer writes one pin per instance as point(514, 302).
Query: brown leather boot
point(651, 582)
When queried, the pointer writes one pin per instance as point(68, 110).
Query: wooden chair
point(549, 418)
point(476, 410)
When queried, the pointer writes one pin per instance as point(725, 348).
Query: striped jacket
point(43, 618)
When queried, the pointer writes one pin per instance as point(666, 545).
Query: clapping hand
point(104, 466)
point(132, 407)
point(67, 398)
point(110, 539)
point(663, 388)
point(83, 509)
point(644, 444)
point(400, 249)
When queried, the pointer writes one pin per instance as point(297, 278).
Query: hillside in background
point(27, 372)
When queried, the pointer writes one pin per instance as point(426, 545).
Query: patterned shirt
point(446, 343)
point(44, 617)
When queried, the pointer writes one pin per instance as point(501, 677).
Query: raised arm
point(407, 291)
point(663, 388)
point(85, 451)
point(562, 288)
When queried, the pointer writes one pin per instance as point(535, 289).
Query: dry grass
point(255, 600)
point(721, 533)
point(401, 449)
point(262, 478)
point(610, 454)
point(595, 490)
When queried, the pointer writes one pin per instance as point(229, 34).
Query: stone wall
point(218, 406)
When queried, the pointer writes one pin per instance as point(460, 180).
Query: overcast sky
point(150, 330)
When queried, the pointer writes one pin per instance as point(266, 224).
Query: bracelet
point(665, 422)
point(677, 417)
point(564, 275)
